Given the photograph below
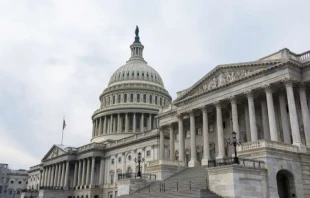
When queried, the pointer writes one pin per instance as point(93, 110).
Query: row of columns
point(268, 120)
point(109, 124)
point(55, 175)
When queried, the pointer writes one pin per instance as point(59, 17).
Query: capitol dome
point(131, 101)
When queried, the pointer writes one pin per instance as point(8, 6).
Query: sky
point(56, 57)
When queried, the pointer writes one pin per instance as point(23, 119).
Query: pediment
point(55, 151)
point(223, 75)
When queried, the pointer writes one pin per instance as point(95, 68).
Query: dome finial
point(137, 38)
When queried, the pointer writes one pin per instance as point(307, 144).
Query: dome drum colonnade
point(132, 99)
point(267, 100)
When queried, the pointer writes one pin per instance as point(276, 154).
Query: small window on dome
point(151, 75)
point(142, 74)
point(119, 98)
point(128, 74)
point(155, 77)
point(131, 97)
point(144, 98)
point(147, 75)
point(138, 97)
point(156, 100)
point(114, 99)
point(151, 99)
point(119, 75)
point(160, 101)
point(164, 101)
point(133, 74)
point(124, 74)
point(137, 73)
point(125, 98)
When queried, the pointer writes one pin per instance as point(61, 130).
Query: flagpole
point(62, 133)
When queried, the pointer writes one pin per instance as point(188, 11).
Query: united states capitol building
point(185, 145)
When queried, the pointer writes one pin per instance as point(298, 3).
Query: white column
point(83, 172)
point(181, 138)
point(253, 126)
point(234, 113)
point(53, 176)
point(193, 162)
point(247, 122)
point(293, 114)
point(265, 119)
point(305, 113)
point(87, 171)
point(105, 124)
point(48, 176)
point(101, 173)
point(161, 143)
point(79, 173)
point(100, 126)
point(271, 114)
point(172, 151)
point(205, 130)
point(142, 123)
point(126, 123)
point(118, 123)
point(284, 119)
point(56, 175)
point(67, 175)
point(75, 174)
point(134, 125)
point(220, 132)
point(62, 174)
point(150, 122)
point(59, 174)
point(92, 182)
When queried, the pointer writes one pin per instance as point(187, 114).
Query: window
point(148, 153)
point(125, 98)
point(156, 100)
point(151, 99)
point(20, 182)
point(127, 73)
point(129, 157)
point(131, 97)
point(188, 134)
point(147, 75)
point(138, 97)
point(224, 124)
point(142, 74)
point(133, 73)
point(12, 182)
point(119, 160)
point(164, 101)
point(112, 161)
point(129, 170)
point(144, 98)
point(160, 101)
point(198, 131)
point(112, 177)
point(137, 73)
point(109, 100)
point(113, 99)
point(119, 99)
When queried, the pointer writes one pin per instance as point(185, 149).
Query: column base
point(301, 147)
point(219, 157)
point(193, 163)
point(204, 162)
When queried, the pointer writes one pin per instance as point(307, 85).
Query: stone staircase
point(191, 182)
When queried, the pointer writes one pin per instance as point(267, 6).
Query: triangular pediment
point(55, 151)
point(225, 74)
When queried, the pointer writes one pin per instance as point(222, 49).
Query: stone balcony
point(249, 146)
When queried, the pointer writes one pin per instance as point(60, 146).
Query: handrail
point(134, 176)
point(230, 160)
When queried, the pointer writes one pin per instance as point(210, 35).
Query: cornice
point(266, 70)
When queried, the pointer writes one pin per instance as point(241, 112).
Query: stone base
point(204, 162)
point(301, 147)
point(193, 163)
point(220, 157)
point(164, 169)
point(126, 186)
point(238, 181)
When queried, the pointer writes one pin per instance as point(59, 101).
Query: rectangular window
point(148, 153)
point(224, 125)
point(119, 99)
point(188, 134)
point(156, 100)
point(112, 161)
point(119, 160)
point(131, 97)
point(138, 97)
point(198, 131)
point(125, 98)
point(113, 99)
point(160, 102)
point(151, 99)
point(144, 98)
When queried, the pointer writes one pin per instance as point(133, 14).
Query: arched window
point(151, 99)
point(131, 97)
point(138, 97)
point(144, 98)
point(129, 169)
point(156, 100)
point(114, 99)
point(125, 98)
point(112, 177)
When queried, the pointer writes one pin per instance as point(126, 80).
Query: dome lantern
point(136, 47)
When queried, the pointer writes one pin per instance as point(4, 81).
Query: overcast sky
point(56, 57)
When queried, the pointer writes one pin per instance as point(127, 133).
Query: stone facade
point(265, 102)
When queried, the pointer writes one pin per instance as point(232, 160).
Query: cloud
point(56, 57)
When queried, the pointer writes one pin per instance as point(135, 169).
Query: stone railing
point(304, 57)
point(90, 146)
point(267, 144)
point(132, 138)
point(165, 162)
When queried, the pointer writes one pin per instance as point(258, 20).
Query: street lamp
point(139, 161)
point(31, 192)
point(235, 142)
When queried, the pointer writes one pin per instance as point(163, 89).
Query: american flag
point(64, 125)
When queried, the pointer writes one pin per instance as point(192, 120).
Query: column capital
point(249, 94)
point(233, 99)
point(288, 82)
point(190, 112)
point(267, 88)
point(217, 103)
point(302, 86)
point(179, 115)
point(203, 108)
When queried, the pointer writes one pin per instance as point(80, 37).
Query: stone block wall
point(237, 181)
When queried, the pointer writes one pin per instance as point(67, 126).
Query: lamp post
point(139, 161)
point(14, 192)
point(234, 142)
point(31, 193)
